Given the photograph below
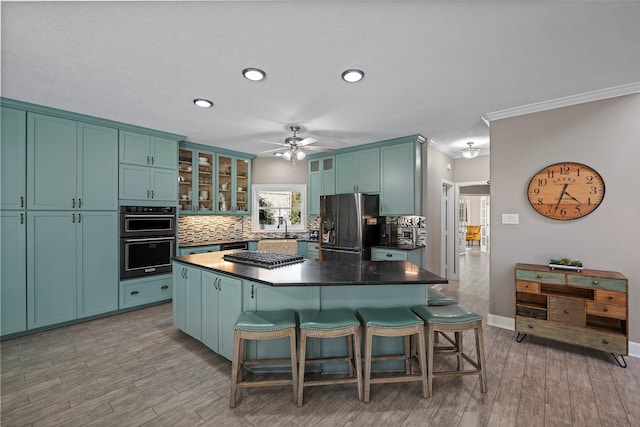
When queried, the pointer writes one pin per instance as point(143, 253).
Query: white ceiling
point(433, 68)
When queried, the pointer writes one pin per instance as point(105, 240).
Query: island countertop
point(318, 273)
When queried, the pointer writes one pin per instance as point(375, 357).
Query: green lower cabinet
point(13, 272)
point(72, 265)
point(187, 299)
point(198, 250)
point(313, 251)
point(146, 290)
point(221, 305)
point(388, 254)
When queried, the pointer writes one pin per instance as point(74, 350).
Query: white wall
point(274, 170)
point(604, 135)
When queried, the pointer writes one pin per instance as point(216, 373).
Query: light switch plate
point(510, 219)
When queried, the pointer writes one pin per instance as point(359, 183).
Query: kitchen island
point(210, 292)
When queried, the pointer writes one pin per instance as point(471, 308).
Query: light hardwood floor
point(137, 369)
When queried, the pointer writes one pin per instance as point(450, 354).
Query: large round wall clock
point(566, 190)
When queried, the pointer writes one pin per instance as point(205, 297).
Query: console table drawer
point(608, 297)
point(528, 287)
point(607, 310)
point(597, 282)
point(541, 277)
point(567, 311)
point(611, 343)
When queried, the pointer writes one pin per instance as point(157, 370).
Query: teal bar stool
point(456, 319)
point(330, 324)
point(394, 322)
point(262, 325)
point(436, 298)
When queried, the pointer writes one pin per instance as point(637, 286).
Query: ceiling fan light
point(352, 75)
point(253, 74)
point(278, 154)
point(286, 155)
point(204, 103)
point(300, 155)
point(470, 152)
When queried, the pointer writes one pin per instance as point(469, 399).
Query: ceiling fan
point(295, 146)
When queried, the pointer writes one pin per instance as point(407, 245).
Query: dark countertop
point(319, 273)
point(220, 242)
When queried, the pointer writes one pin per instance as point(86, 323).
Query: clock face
point(566, 191)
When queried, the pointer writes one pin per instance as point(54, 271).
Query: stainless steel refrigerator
point(348, 226)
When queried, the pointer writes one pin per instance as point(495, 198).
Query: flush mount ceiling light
point(352, 76)
point(470, 152)
point(204, 103)
point(253, 74)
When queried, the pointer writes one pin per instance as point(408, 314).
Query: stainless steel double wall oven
point(147, 240)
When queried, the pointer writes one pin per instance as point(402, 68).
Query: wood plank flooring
point(136, 369)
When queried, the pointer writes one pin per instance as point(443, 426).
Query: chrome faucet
point(282, 220)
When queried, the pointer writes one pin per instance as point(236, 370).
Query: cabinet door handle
point(605, 309)
point(147, 159)
point(164, 287)
point(389, 255)
point(79, 203)
point(22, 201)
point(252, 291)
point(153, 159)
point(610, 297)
point(73, 203)
point(135, 293)
point(73, 218)
point(21, 218)
point(79, 218)
point(152, 194)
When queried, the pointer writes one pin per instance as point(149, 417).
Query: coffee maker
point(388, 234)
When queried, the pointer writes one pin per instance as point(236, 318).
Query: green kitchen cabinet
point(322, 181)
point(221, 305)
point(233, 185)
point(389, 254)
point(72, 265)
point(97, 249)
point(146, 150)
point(13, 273)
point(13, 159)
point(198, 249)
point(196, 180)
point(313, 251)
point(70, 165)
point(358, 171)
point(187, 299)
point(401, 179)
point(145, 290)
point(148, 167)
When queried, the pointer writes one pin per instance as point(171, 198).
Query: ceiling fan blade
point(271, 151)
point(316, 148)
point(284, 144)
point(307, 141)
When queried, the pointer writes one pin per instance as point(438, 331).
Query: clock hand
point(564, 188)
point(567, 193)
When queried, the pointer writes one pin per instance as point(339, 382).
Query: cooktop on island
point(263, 259)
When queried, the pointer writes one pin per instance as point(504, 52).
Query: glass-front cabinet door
point(234, 179)
point(195, 181)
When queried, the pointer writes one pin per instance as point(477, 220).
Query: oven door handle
point(149, 216)
point(149, 239)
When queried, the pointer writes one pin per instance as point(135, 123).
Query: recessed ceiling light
point(204, 103)
point(253, 74)
point(352, 76)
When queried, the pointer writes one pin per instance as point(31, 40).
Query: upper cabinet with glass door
point(234, 180)
point(195, 181)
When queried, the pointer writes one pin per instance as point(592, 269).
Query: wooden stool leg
point(350, 356)
point(302, 360)
point(294, 363)
point(430, 333)
point(481, 361)
point(407, 354)
point(358, 360)
point(459, 350)
point(422, 354)
point(235, 363)
point(367, 363)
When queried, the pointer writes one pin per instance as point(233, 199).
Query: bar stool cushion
point(435, 297)
point(327, 320)
point(265, 321)
point(392, 318)
point(446, 315)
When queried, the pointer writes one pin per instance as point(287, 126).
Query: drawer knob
point(610, 297)
point(595, 282)
point(165, 287)
point(605, 342)
point(565, 311)
point(539, 276)
point(530, 326)
point(605, 309)
point(135, 293)
point(389, 255)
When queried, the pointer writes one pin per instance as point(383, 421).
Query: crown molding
point(441, 148)
point(567, 101)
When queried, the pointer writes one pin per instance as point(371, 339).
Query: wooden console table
point(587, 308)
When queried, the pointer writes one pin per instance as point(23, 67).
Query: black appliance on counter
point(147, 240)
point(388, 234)
point(348, 226)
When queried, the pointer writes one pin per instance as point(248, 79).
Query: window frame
point(255, 212)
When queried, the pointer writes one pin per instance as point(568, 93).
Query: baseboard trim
point(510, 324)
